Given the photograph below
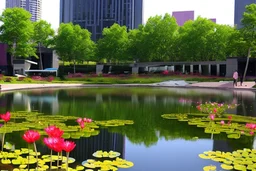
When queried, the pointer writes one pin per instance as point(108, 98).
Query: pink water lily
point(222, 122)
point(212, 116)
point(214, 110)
point(6, 117)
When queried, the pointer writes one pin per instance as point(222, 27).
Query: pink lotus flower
point(54, 143)
point(79, 120)
point(31, 136)
point(54, 131)
point(6, 117)
point(198, 107)
point(88, 120)
point(212, 116)
point(222, 122)
point(68, 146)
point(82, 125)
point(251, 133)
point(230, 117)
point(214, 110)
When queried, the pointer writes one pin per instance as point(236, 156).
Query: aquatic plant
point(215, 108)
point(58, 128)
point(6, 117)
point(32, 136)
point(239, 160)
point(107, 164)
point(68, 146)
point(216, 125)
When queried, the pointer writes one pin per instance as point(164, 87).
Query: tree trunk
point(13, 55)
point(74, 66)
point(40, 57)
point(247, 62)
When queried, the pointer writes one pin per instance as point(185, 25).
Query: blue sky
point(223, 10)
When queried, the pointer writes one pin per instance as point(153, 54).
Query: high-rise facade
point(95, 15)
point(240, 9)
point(183, 16)
point(33, 6)
point(213, 20)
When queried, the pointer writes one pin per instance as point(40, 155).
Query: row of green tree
point(160, 39)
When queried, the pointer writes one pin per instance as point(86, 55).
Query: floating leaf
point(209, 168)
point(226, 167)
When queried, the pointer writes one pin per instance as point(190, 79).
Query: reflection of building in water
point(33, 101)
point(221, 145)
point(243, 99)
point(105, 141)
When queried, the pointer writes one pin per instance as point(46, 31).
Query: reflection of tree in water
point(145, 107)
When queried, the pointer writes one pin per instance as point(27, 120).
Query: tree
point(42, 34)
point(249, 31)
point(161, 34)
point(113, 45)
point(193, 41)
point(72, 43)
point(136, 48)
point(17, 31)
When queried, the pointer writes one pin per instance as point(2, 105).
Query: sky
point(222, 10)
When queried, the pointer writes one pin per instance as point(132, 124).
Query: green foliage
point(161, 34)
point(43, 34)
point(249, 25)
point(72, 43)
point(17, 31)
point(113, 45)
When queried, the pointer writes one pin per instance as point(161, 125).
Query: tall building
point(33, 6)
point(183, 16)
point(240, 9)
point(95, 15)
point(213, 20)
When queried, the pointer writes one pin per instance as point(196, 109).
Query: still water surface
point(152, 143)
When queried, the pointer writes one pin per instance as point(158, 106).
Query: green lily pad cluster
point(107, 164)
point(233, 130)
point(22, 121)
point(239, 160)
point(115, 122)
point(110, 154)
point(23, 157)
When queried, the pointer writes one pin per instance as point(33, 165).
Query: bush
point(20, 78)
point(8, 79)
point(50, 78)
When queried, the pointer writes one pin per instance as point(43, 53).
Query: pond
point(152, 142)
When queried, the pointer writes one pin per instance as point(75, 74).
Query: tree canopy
point(17, 31)
point(72, 43)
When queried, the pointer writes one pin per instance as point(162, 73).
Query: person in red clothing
point(235, 77)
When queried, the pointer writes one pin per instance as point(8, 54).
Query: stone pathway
point(246, 85)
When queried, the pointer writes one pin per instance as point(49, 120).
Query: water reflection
point(150, 135)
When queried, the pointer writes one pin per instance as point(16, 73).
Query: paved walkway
point(215, 85)
point(246, 85)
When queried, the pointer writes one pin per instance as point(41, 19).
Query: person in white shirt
point(235, 77)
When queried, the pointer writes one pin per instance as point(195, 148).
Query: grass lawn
point(112, 79)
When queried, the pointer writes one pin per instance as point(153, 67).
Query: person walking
point(241, 79)
point(235, 77)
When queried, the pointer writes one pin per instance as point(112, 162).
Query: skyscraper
point(95, 15)
point(33, 6)
point(240, 9)
point(213, 20)
point(183, 16)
